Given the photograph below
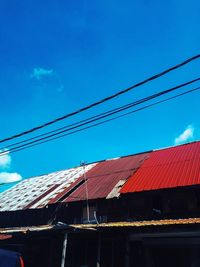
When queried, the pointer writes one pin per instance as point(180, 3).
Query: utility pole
point(86, 191)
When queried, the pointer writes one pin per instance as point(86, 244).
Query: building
point(137, 210)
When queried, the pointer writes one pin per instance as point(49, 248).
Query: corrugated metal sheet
point(27, 229)
point(68, 185)
point(139, 223)
point(105, 175)
point(167, 168)
point(37, 192)
point(115, 191)
point(71, 227)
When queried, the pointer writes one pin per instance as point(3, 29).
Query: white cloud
point(185, 136)
point(5, 159)
point(7, 177)
point(38, 73)
point(5, 162)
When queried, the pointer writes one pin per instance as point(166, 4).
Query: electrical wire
point(96, 117)
point(102, 122)
point(101, 115)
point(156, 76)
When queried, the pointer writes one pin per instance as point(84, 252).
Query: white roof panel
point(36, 192)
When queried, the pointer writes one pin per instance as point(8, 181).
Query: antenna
point(86, 190)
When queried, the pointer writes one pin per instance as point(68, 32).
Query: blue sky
point(58, 56)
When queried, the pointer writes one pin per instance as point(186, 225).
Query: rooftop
point(165, 168)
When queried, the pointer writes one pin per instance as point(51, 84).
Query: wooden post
point(64, 250)
point(99, 251)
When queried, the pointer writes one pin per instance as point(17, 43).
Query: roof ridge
point(114, 158)
point(184, 144)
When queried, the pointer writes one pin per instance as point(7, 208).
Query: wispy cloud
point(5, 159)
point(7, 177)
point(39, 73)
point(185, 136)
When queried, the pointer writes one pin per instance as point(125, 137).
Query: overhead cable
point(97, 117)
point(101, 115)
point(156, 76)
point(16, 149)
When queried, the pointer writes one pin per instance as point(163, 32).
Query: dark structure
point(139, 210)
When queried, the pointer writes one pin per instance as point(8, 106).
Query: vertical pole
point(86, 192)
point(64, 250)
point(99, 251)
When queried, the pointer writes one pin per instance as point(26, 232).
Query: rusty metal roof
point(103, 179)
point(26, 229)
point(167, 168)
point(105, 176)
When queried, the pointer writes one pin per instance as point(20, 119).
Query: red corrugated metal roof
point(167, 168)
point(102, 178)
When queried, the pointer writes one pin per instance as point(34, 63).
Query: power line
point(96, 117)
point(156, 76)
point(67, 126)
point(99, 123)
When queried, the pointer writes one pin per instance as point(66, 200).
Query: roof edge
point(123, 156)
